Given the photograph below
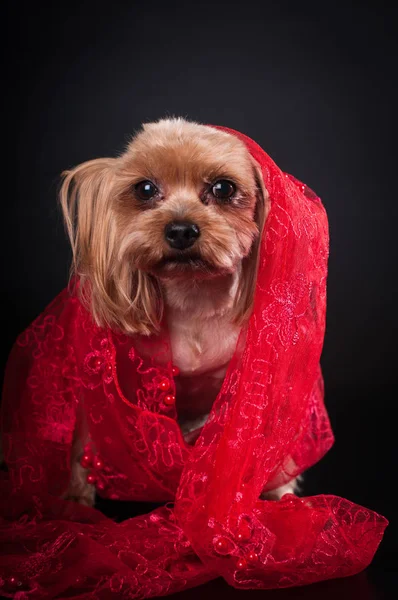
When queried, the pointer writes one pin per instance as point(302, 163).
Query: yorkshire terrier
point(177, 217)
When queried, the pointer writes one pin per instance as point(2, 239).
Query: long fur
point(115, 241)
point(123, 262)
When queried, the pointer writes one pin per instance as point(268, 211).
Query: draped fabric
point(69, 382)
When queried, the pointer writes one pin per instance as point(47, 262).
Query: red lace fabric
point(69, 380)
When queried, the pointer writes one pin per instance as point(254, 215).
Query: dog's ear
point(116, 295)
point(247, 283)
point(85, 201)
point(263, 200)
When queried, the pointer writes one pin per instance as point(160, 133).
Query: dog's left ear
point(247, 285)
point(263, 200)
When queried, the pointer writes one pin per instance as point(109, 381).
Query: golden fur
point(120, 255)
point(118, 242)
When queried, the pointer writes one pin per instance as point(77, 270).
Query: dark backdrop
point(316, 87)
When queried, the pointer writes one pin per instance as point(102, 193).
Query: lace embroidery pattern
point(68, 379)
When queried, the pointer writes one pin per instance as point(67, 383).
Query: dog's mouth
point(185, 263)
point(194, 261)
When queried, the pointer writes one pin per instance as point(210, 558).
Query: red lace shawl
point(67, 377)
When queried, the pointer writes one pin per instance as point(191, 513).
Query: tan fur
point(119, 245)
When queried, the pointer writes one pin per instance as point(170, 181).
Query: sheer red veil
point(68, 377)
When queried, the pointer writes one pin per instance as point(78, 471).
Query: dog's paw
point(79, 490)
point(288, 488)
point(87, 499)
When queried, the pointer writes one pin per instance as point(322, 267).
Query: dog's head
point(183, 201)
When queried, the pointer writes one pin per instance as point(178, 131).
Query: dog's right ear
point(116, 295)
point(85, 200)
point(85, 196)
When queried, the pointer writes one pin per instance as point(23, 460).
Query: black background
point(315, 86)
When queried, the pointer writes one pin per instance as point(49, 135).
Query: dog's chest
point(202, 351)
point(198, 347)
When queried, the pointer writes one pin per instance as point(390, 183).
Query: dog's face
point(188, 209)
point(184, 201)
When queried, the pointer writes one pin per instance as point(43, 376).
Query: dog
point(178, 217)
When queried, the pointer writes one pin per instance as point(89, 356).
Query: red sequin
point(169, 400)
point(222, 545)
point(108, 369)
point(164, 385)
point(91, 478)
point(175, 370)
point(244, 532)
point(241, 563)
point(252, 557)
point(98, 463)
point(86, 461)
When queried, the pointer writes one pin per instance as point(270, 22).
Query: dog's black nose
point(181, 234)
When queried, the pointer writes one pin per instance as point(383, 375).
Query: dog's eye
point(145, 190)
point(223, 189)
